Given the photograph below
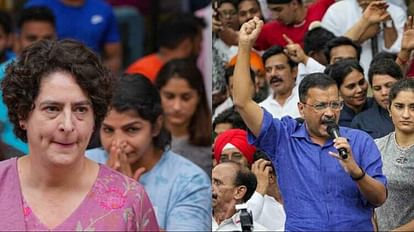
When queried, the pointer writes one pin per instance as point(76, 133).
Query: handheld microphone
point(333, 131)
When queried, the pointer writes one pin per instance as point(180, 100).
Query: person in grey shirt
point(397, 150)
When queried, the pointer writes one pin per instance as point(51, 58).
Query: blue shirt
point(179, 190)
point(7, 133)
point(93, 23)
point(318, 194)
point(376, 121)
point(348, 114)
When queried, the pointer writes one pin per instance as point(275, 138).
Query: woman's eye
point(81, 109)
point(51, 109)
point(132, 129)
point(107, 130)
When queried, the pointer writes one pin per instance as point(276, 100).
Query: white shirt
point(312, 66)
point(342, 15)
point(290, 108)
point(233, 224)
point(222, 107)
point(267, 211)
point(227, 51)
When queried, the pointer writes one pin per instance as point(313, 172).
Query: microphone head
point(332, 126)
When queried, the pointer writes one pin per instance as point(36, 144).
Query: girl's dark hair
point(341, 69)
point(400, 85)
point(200, 124)
point(21, 84)
point(135, 92)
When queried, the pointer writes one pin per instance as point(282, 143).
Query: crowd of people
point(265, 115)
point(92, 143)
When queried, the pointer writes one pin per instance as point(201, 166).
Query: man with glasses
point(321, 190)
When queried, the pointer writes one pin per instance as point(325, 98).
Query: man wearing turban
point(232, 145)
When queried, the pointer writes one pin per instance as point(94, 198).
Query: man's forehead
point(317, 93)
point(275, 59)
point(229, 151)
point(224, 172)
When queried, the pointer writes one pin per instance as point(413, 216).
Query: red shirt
point(272, 32)
point(147, 66)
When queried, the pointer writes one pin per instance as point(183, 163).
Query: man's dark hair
point(136, 92)
point(401, 85)
point(341, 41)
point(229, 71)
point(177, 28)
point(256, 1)
point(314, 80)
point(36, 13)
point(383, 55)
point(218, 3)
point(230, 116)
point(5, 22)
point(316, 39)
point(21, 84)
point(245, 177)
point(384, 67)
point(275, 50)
point(341, 69)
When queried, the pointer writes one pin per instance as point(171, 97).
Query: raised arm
point(249, 110)
point(368, 25)
point(407, 45)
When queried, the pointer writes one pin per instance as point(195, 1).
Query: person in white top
point(225, 22)
point(266, 203)
point(281, 74)
point(376, 25)
point(232, 184)
point(312, 57)
point(336, 49)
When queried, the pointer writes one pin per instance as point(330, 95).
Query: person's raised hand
point(118, 158)
point(407, 42)
point(294, 51)
point(249, 32)
point(349, 163)
point(261, 169)
point(376, 12)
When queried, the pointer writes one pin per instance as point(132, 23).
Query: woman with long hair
point(187, 114)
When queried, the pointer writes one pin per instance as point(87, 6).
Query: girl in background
point(187, 114)
point(397, 150)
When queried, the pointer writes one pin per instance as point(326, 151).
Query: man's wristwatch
point(359, 177)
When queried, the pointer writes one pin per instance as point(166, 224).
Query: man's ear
point(301, 108)
point(240, 192)
point(185, 47)
point(294, 72)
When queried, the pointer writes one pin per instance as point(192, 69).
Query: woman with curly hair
point(56, 94)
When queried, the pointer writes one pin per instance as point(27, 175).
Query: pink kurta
point(115, 203)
